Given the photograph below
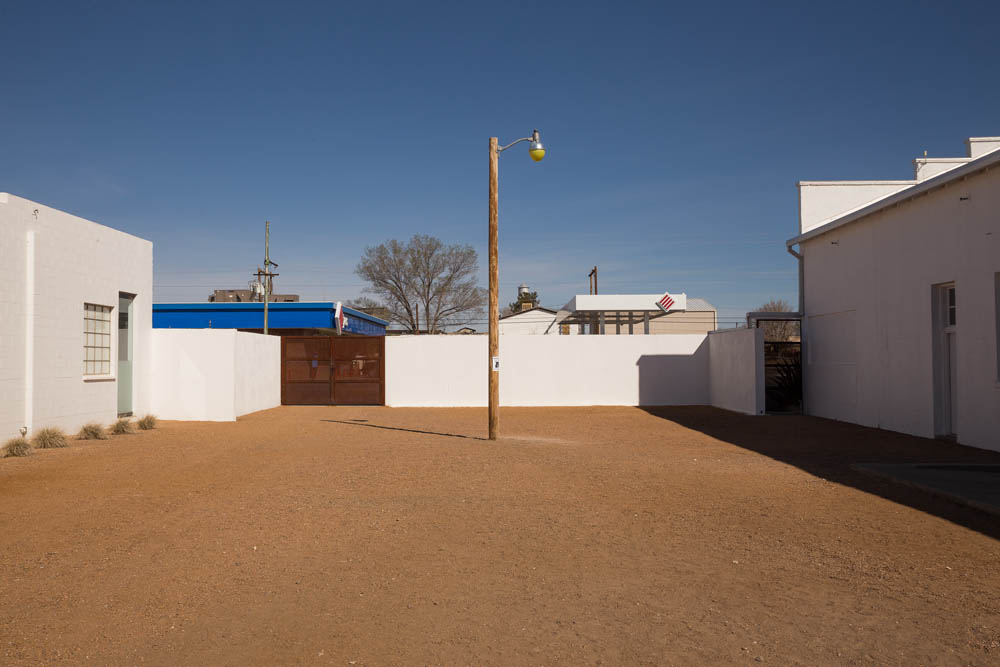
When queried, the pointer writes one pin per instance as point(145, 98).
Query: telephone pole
point(267, 274)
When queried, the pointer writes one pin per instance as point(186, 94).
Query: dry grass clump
point(15, 447)
point(122, 427)
point(147, 423)
point(92, 431)
point(49, 438)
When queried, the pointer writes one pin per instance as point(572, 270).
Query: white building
point(614, 314)
point(901, 298)
point(75, 319)
point(535, 321)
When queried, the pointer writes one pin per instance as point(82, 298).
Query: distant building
point(613, 314)
point(248, 296)
point(537, 321)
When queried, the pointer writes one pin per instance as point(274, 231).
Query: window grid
point(96, 339)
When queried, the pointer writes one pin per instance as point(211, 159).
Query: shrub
point(92, 432)
point(49, 438)
point(147, 423)
point(15, 447)
point(122, 427)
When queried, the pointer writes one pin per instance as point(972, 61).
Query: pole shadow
point(828, 449)
point(400, 428)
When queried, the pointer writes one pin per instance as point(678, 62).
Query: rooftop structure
point(283, 318)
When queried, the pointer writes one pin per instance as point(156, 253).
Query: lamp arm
point(503, 148)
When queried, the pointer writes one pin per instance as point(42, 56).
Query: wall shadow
point(674, 379)
point(828, 448)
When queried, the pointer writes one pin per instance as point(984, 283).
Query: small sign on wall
point(496, 363)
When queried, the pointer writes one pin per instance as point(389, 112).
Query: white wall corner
point(979, 146)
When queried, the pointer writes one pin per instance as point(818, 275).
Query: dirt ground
point(378, 536)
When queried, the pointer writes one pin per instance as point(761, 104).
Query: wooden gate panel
point(305, 370)
point(357, 393)
point(332, 370)
point(359, 371)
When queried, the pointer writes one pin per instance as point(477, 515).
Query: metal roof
point(699, 305)
point(250, 315)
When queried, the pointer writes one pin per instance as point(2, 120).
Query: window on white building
point(96, 339)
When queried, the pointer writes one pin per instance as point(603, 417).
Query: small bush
point(49, 438)
point(92, 432)
point(122, 427)
point(15, 447)
point(147, 423)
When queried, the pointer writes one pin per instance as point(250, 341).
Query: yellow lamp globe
point(535, 149)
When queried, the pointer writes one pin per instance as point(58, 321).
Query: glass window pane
point(96, 339)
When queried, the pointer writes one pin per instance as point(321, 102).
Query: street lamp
point(537, 151)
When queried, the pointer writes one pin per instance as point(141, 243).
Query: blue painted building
point(295, 318)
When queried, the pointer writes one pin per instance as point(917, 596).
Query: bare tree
point(424, 274)
point(778, 330)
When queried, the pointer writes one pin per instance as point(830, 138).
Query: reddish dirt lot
point(613, 536)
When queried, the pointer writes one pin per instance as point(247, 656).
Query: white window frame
point(97, 341)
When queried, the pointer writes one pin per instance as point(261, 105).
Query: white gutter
point(29, 331)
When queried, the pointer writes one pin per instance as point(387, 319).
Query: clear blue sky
point(676, 132)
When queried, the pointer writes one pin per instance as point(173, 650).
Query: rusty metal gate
point(333, 370)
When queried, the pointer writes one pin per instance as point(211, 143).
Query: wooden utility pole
point(265, 277)
point(267, 269)
point(593, 280)
point(494, 352)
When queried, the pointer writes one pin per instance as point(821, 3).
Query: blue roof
point(250, 315)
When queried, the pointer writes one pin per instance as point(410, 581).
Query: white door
point(125, 327)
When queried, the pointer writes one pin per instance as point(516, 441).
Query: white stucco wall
point(736, 370)
point(868, 303)
point(447, 371)
point(214, 374)
point(257, 370)
point(54, 263)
